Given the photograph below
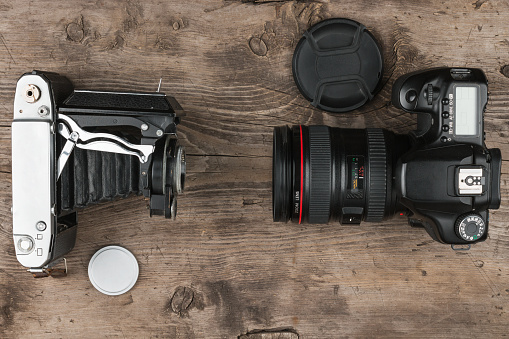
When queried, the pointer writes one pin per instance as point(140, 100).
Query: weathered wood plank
point(223, 268)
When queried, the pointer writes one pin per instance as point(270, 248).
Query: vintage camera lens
point(169, 166)
point(322, 173)
point(178, 168)
point(168, 173)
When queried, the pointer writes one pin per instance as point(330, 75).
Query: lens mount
point(158, 169)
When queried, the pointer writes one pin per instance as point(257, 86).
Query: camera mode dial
point(470, 227)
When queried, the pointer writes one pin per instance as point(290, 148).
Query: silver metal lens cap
point(113, 270)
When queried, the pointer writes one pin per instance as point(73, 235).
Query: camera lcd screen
point(465, 120)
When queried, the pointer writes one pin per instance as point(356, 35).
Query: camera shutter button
point(470, 227)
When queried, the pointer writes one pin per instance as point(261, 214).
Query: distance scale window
point(355, 188)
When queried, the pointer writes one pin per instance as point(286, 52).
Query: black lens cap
point(338, 65)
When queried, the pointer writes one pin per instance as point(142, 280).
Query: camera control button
point(445, 114)
point(26, 244)
point(429, 93)
point(41, 226)
point(445, 101)
point(411, 96)
point(445, 128)
point(443, 139)
point(39, 252)
point(32, 93)
point(470, 227)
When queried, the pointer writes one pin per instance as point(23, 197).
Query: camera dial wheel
point(470, 227)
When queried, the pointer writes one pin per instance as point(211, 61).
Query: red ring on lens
point(301, 174)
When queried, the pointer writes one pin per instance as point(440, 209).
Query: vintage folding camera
point(442, 176)
point(73, 148)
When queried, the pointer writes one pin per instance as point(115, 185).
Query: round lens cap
point(338, 65)
point(113, 270)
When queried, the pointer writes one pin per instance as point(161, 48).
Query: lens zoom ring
point(320, 174)
point(377, 186)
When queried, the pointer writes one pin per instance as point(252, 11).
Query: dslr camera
point(74, 148)
point(442, 175)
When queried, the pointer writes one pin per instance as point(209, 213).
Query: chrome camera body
point(73, 148)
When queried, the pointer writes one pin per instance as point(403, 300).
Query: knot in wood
point(258, 46)
point(75, 32)
point(181, 300)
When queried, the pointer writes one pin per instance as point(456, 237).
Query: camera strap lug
point(104, 142)
point(461, 247)
point(50, 271)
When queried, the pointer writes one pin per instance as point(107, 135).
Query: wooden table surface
point(223, 268)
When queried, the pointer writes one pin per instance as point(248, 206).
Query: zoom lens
point(322, 174)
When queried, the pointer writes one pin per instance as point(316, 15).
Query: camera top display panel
point(464, 104)
point(452, 102)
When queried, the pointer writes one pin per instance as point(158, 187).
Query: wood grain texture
point(223, 268)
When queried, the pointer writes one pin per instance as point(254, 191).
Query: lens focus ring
point(377, 185)
point(320, 174)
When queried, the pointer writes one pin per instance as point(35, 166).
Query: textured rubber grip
point(320, 174)
point(118, 101)
point(377, 179)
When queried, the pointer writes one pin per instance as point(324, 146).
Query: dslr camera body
point(442, 176)
point(73, 148)
point(449, 179)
